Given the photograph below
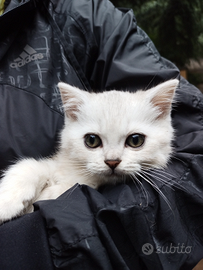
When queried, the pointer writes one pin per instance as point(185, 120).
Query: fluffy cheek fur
point(157, 149)
point(155, 153)
point(88, 161)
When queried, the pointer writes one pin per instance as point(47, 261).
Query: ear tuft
point(162, 96)
point(72, 100)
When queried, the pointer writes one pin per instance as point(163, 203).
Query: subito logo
point(147, 249)
point(28, 55)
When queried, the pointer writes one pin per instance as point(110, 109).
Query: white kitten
point(107, 137)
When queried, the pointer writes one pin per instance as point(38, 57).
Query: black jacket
point(92, 45)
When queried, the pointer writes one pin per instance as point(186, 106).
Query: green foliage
point(175, 26)
point(194, 78)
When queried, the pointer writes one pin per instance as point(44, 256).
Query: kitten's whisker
point(146, 165)
point(123, 178)
point(163, 181)
point(144, 191)
point(163, 172)
point(146, 178)
point(151, 81)
point(170, 183)
point(73, 189)
point(159, 173)
point(179, 160)
point(156, 173)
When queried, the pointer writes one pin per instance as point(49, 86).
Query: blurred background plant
point(176, 28)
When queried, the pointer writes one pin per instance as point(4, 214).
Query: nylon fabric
point(24, 244)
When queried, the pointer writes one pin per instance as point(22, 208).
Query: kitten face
point(112, 134)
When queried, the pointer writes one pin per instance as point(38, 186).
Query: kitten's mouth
point(114, 174)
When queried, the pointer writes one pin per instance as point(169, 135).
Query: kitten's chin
point(112, 177)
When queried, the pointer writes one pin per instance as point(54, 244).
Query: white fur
point(113, 116)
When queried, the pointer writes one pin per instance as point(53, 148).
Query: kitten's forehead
point(111, 104)
point(115, 111)
point(116, 105)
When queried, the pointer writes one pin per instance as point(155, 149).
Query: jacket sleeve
point(127, 58)
point(110, 48)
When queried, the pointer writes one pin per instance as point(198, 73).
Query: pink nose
point(112, 163)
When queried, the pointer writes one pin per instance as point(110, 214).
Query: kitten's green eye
point(135, 140)
point(92, 141)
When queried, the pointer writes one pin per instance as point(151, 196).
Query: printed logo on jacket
point(28, 55)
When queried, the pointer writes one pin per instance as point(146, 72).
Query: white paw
point(14, 199)
point(18, 189)
point(13, 204)
point(8, 213)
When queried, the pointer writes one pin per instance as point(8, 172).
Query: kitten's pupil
point(135, 140)
point(92, 141)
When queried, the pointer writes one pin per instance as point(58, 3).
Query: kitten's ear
point(72, 99)
point(162, 96)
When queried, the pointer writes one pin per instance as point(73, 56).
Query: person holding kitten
point(151, 222)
